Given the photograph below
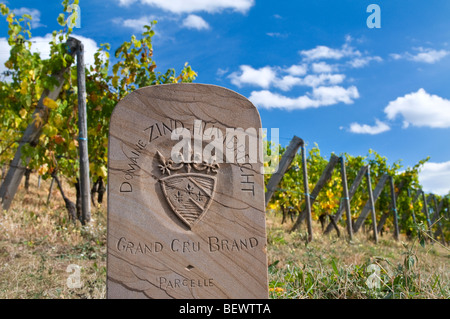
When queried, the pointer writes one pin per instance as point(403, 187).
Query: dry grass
point(38, 243)
point(332, 267)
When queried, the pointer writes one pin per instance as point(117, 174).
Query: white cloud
point(126, 2)
point(326, 85)
point(42, 45)
point(321, 52)
point(361, 62)
point(420, 109)
point(135, 24)
point(276, 34)
point(297, 70)
point(315, 80)
point(35, 16)
point(435, 178)
point(193, 21)
point(429, 55)
point(221, 72)
point(396, 56)
point(424, 55)
point(328, 95)
point(355, 58)
point(267, 99)
point(321, 96)
point(267, 76)
point(287, 82)
point(262, 77)
point(323, 67)
point(378, 128)
point(183, 6)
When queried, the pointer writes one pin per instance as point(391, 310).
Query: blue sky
point(313, 68)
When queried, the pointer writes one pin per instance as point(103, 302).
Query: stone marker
point(182, 224)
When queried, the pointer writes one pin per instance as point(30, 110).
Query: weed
point(332, 268)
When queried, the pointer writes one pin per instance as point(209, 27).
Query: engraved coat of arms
point(188, 194)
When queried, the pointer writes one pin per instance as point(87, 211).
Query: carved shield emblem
point(189, 195)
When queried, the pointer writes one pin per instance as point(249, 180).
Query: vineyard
point(41, 135)
point(397, 203)
point(41, 100)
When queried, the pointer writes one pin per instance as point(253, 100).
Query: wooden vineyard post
point(436, 219)
point(385, 216)
point(435, 209)
point(324, 178)
point(346, 199)
point(50, 191)
point(358, 179)
point(32, 133)
point(438, 208)
point(307, 196)
point(82, 139)
point(425, 208)
point(372, 206)
point(394, 207)
point(285, 161)
point(368, 206)
point(448, 208)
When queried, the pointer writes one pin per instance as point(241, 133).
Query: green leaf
point(115, 68)
point(61, 19)
point(333, 264)
point(28, 100)
point(4, 8)
point(422, 242)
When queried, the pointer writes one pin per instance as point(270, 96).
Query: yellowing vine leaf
point(9, 64)
point(59, 139)
point(38, 120)
point(51, 104)
point(10, 18)
point(24, 87)
point(102, 172)
point(43, 169)
point(32, 74)
point(23, 113)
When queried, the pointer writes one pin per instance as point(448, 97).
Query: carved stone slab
point(183, 227)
